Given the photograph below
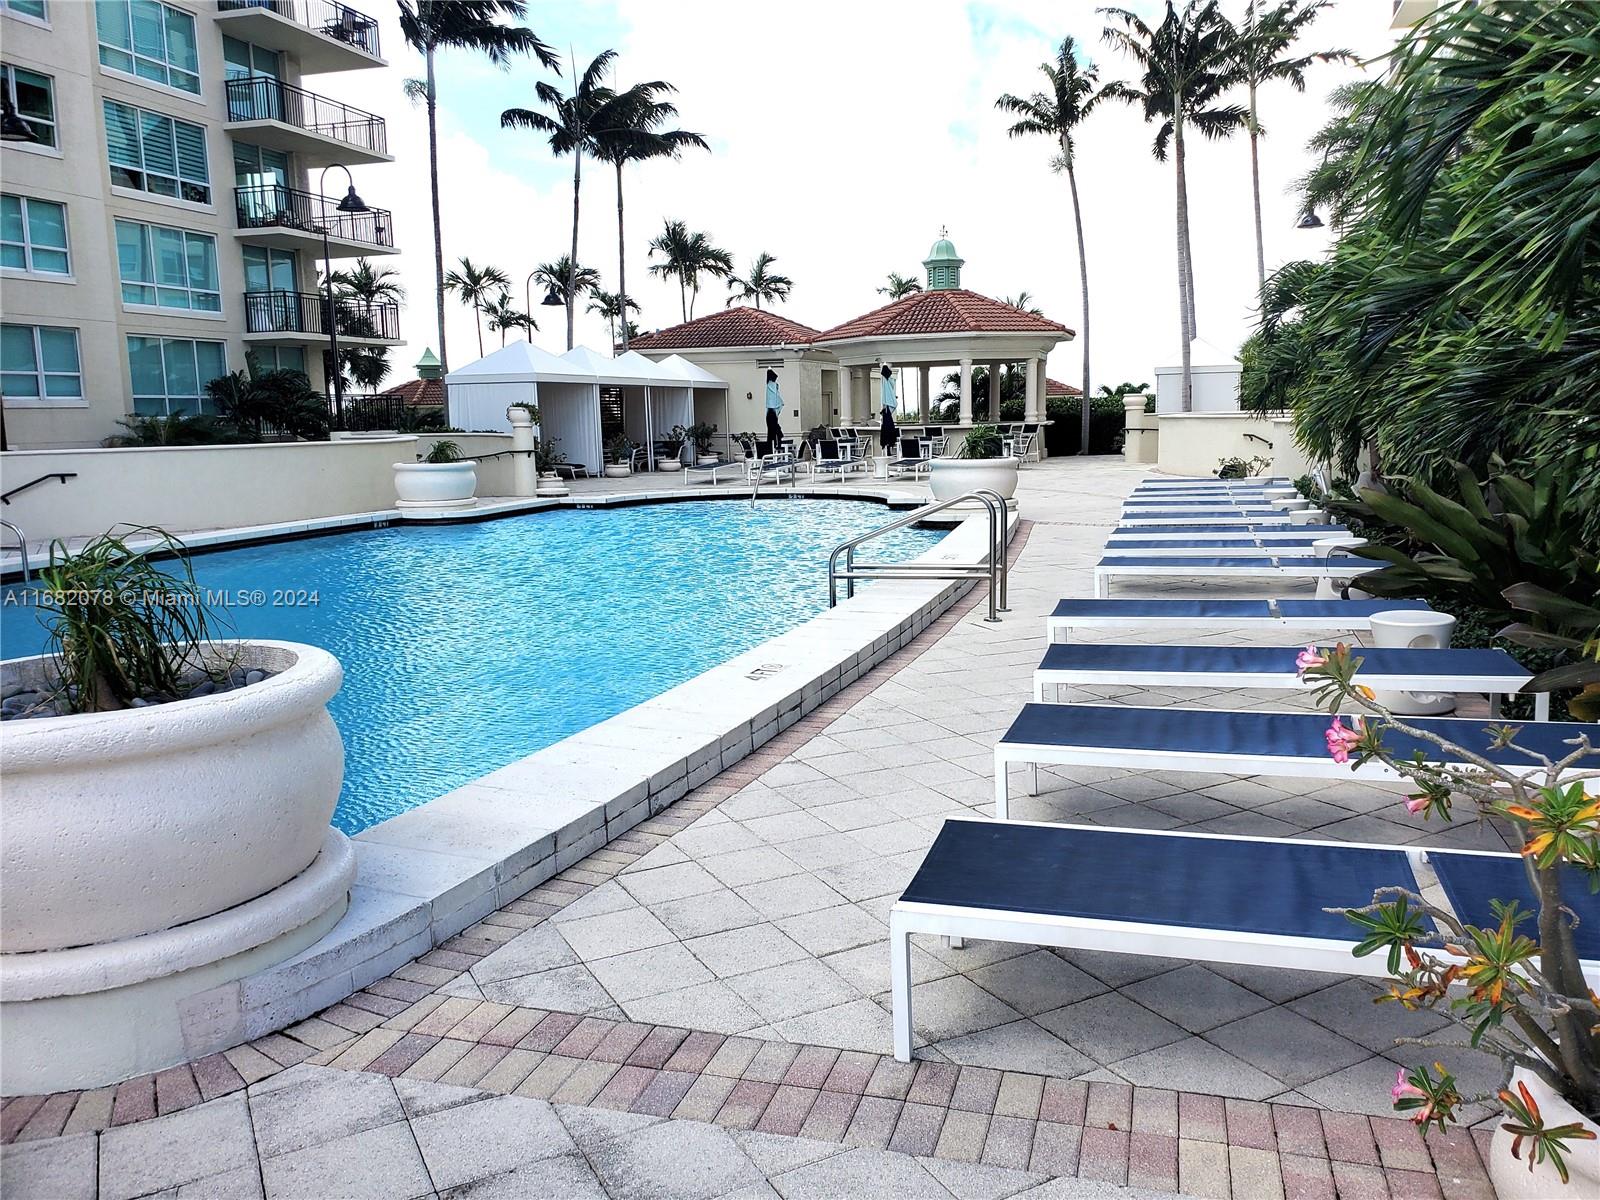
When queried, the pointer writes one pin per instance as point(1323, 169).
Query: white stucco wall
point(1194, 443)
point(1216, 388)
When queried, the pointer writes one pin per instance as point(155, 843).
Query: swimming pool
point(467, 647)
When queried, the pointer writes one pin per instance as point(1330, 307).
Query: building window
point(242, 60)
point(150, 40)
point(170, 374)
point(34, 10)
point(39, 362)
point(33, 236)
point(257, 166)
point(280, 358)
point(153, 153)
point(268, 270)
point(168, 268)
point(34, 97)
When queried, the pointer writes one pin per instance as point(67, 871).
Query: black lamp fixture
point(353, 203)
point(1309, 220)
point(12, 127)
point(552, 299)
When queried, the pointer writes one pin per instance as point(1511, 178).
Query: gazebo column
point(922, 394)
point(994, 391)
point(868, 402)
point(1035, 387)
point(846, 401)
point(966, 391)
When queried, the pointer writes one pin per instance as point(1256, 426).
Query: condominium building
point(163, 208)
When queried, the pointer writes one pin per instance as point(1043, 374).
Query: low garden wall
point(1195, 443)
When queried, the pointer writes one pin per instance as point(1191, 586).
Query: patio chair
point(713, 472)
point(1354, 616)
point(1196, 897)
point(1492, 672)
point(767, 465)
point(836, 459)
point(1243, 567)
point(572, 471)
point(1205, 516)
point(914, 459)
point(1177, 547)
point(1261, 533)
point(1235, 743)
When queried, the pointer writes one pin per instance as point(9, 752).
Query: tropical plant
point(361, 290)
point(176, 428)
point(444, 451)
point(762, 283)
point(1234, 467)
point(503, 315)
point(1521, 998)
point(983, 441)
point(547, 456)
point(255, 403)
point(703, 436)
point(369, 284)
point(1334, 184)
point(1057, 113)
point(430, 26)
point(1023, 301)
point(1122, 389)
point(635, 134)
point(611, 306)
point(122, 629)
point(476, 286)
point(898, 286)
point(1186, 64)
point(674, 440)
point(561, 275)
point(619, 449)
point(686, 257)
point(1263, 47)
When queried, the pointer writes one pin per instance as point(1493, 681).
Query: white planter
point(1513, 1180)
point(952, 477)
point(1407, 629)
point(618, 470)
point(669, 464)
point(706, 460)
point(123, 823)
point(436, 485)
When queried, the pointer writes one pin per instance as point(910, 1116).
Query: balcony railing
point(260, 98)
point(359, 413)
point(335, 20)
point(307, 312)
point(270, 206)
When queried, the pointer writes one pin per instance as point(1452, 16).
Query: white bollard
point(1324, 550)
point(524, 438)
point(1403, 629)
point(1308, 516)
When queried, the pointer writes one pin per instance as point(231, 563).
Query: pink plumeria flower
point(1308, 658)
point(1342, 738)
point(1404, 1087)
point(1416, 803)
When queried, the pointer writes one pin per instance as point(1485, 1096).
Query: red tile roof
point(731, 327)
point(1054, 387)
point(942, 310)
point(419, 393)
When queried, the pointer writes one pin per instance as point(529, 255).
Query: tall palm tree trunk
point(1255, 189)
point(572, 263)
point(622, 269)
point(438, 231)
point(477, 319)
point(1185, 272)
point(683, 298)
point(1083, 276)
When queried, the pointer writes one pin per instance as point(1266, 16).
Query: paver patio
point(724, 968)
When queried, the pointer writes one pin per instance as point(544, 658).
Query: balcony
point(302, 318)
point(321, 35)
point(269, 112)
point(274, 215)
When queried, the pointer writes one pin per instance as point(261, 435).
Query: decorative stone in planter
point(155, 853)
point(436, 485)
point(1511, 1177)
point(952, 477)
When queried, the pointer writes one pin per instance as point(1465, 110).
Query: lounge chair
point(1233, 743)
point(1198, 897)
point(836, 459)
point(914, 459)
point(713, 472)
point(769, 465)
point(1183, 616)
point(1254, 566)
point(1244, 544)
point(1493, 672)
point(1261, 533)
point(1209, 516)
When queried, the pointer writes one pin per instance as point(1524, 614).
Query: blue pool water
point(466, 647)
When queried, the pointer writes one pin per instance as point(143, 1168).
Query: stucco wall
point(1194, 443)
point(209, 487)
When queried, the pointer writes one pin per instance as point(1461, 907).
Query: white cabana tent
point(704, 395)
point(567, 395)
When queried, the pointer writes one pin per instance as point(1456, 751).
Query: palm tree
point(1261, 49)
point(433, 25)
point(761, 284)
point(900, 286)
point(1187, 63)
point(370, 284)
point(1335, 182)
point(612, 306)
point(1057, 112)
point(686, 257)
point(1024, 301)
point(503, 315)
point(561, 275)
point(475, 286)
point(635, 135)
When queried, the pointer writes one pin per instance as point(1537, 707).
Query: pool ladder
point(22, 548)
point(995, 570)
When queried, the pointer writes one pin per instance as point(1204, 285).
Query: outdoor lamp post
point(351, 203)
point(1309, 220)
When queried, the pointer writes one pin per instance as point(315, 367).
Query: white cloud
point(844, 136)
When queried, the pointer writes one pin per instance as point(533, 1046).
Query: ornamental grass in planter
point(1516, 993)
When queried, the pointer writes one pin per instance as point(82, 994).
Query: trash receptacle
point(1406, 628)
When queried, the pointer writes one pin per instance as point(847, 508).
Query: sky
point(844, 136)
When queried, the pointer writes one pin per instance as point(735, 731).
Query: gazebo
point(942, 327)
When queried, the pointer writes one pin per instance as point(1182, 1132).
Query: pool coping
point(425, 875)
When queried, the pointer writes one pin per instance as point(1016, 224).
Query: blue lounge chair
point(1261, 533)
point(1353, 616)
point(1209, 516)
point(914, 459)
point(1493, 672)
point(1200, 897)
point(1237, 743)
point(835, 458)
point(1180, 547)
point(1256, 566)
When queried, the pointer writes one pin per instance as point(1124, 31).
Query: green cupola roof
point(428, 365)
point(943, 264)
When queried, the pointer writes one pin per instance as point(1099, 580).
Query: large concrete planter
point(952, 477)
point(1513, 1180)
point(154, 852)
point(436, 485)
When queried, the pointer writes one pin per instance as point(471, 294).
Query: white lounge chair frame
point(1058, 629)
point(1343, 567)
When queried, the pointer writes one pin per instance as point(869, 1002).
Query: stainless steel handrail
point(22, 547)
point(995, 570)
